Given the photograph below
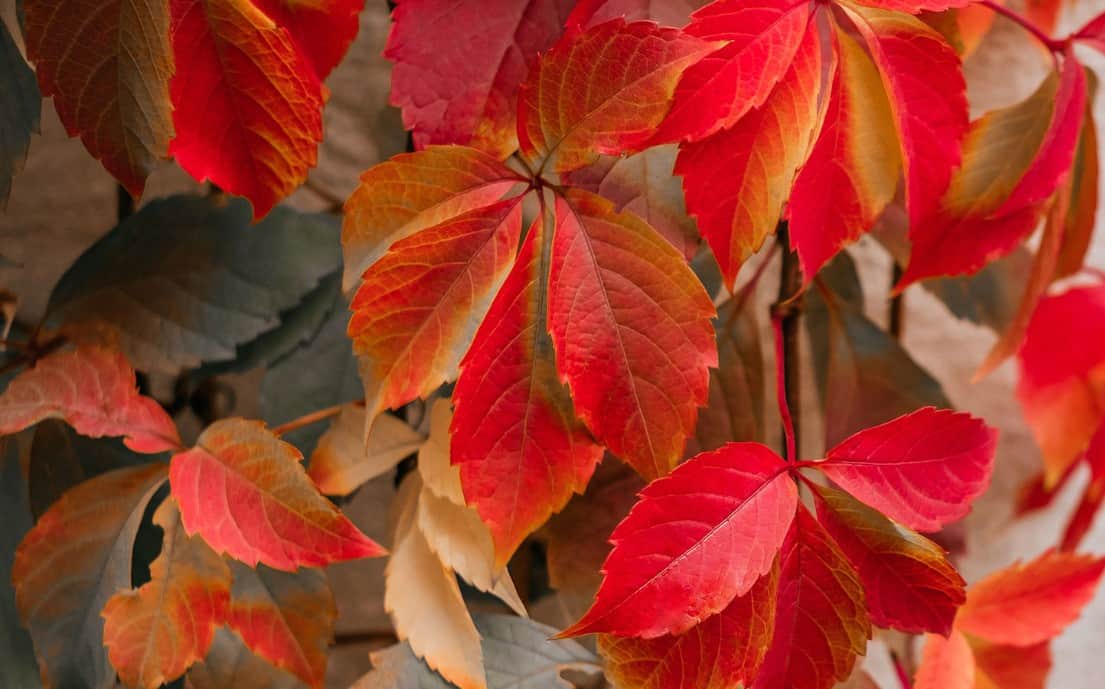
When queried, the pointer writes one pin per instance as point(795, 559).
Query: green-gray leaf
point(18, 669)
point(20, 106)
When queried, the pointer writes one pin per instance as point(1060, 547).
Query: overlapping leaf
point(76, 557)
point(588, 13)
point(157, 631)
point(19, 111)
point(244, 490)
point(230, 665)
point(93, 389)
point(343, 460)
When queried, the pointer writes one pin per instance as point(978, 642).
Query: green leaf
point(187, 279)
point(18, 669)
point(991, 296)
point(230, 665)
point(20, 105)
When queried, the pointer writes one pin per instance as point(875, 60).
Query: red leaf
point(286, 618)
point(247, 105)
point(946, 663)
point(763, 37)
point(245, 491)
point(485, 47)
point(157, 631)
point(931, 112)
point(1026, 604)
point(1093, 33)
point(93, 390)
point(631, 326)
point(1061, 386)
point(922, 469)
point(323, 29)
point(412, 192)
point(601, 91)
point(852, 172)
point(107, 66)
point(723, 651)
point(1012, 667)
point(521, 451)
point(588, 13)
point(914, 6)
point(418, 306)
point(737, 180)
point(821, 625)
point(908, 581)
point(1092, 497)
point(697, 539)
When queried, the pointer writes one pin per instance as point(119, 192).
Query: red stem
point(1026, 23)
point(903, 676)
point(781, 388)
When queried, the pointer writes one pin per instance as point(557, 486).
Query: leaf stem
point(308, 419)
point(903, 675)
point(897, 305)
point(785, 316)
point(1055, 46)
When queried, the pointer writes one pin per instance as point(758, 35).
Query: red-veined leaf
point(821, 625)
point(1028, 603)
point(458, 66)
point(763, 37)
point(908, 581)
point(322, 29)
point(246, 104)
point(631, 327)
point(286, 618)
point(737, 180)
point(930, 113)
point(994, 200)
point(76, 557)
point(94, 391)
point(697, 539)
point(946, 663)
point(1092, 497)
point(412, 192)
point(157, 631)
point(107, 65)
point(588, 13)
point(418, 306)
point(521, 451)
point(922, 469)
point(720, 652)
point(1060, 386)
point(601, 91)
point(245, 491)
point(914, 6)
point(852, 172)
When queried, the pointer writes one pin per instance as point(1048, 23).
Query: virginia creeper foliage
point(536, 338)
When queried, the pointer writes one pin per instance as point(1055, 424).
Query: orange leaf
point(343, 461)
point(946, 663)
point(1011, 667)
point(412, 192)
point(245, 491)
point(416, 310)
point(107, 65)
point(602, 91)
point(286, 618)
point(323, 29)
point(631, 327)
point(1028, 603)
point(247, 105)
point(155, 632)
point(93, 390)
point(75, 558)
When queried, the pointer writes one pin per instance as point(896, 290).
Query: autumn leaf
point(412, 192)
point(697, 539)
point(520, 449)
point(411, 340)
point(76, 557)
point(1032, 602)
point(242, 75)
point(92, 389)
point(19, 668)
point(244, 491)
point(322, 29)
point(107, 66)
point(821, 625)
point(946, 663)
point(19, 111)
point(632, 70)
point(635, 383)
point(157, 631)
point(724, 650)
point(230, 665)
point(921, 470)
point(458, 67)
point(286, 618)
point(1003, 666)
point(908, 582)
point(342, 460)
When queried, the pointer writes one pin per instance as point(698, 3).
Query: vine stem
point(785, 316)
point(897, 304)
point(308, 419)
point(1050, 43)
